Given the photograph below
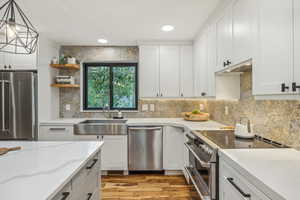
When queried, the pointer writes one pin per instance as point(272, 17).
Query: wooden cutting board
point(6, 150)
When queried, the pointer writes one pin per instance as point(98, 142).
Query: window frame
point(110, 65)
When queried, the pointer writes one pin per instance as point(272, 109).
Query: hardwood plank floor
point(149, 187)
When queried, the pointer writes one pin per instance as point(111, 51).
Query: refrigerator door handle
point(3, 105)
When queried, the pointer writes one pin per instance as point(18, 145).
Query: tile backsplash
point(273, 119)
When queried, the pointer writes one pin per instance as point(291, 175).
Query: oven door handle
point(203, 164)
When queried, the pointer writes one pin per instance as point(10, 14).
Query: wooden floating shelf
point(65, 85)
point(66, 66)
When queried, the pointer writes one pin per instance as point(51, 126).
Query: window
point(112, 85)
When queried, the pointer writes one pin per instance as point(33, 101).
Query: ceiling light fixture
point(102, 41)
point(167, 28)
point(17, 34)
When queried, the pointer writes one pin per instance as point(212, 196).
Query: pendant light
point(17, 34)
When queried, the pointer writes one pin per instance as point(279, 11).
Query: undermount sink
point(101, 127)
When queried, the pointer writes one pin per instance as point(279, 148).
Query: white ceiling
point(122, 22)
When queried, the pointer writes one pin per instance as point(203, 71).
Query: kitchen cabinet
point(85, 184)
point(115, 153)
point(169, 71)
point(234, 186)
point(224, 39)
point(274, 65)
point(149, 71)
point(173, 148)
point(296, 78)
point(244, 30)
point(186, 71)
point(166, 71)
point(56, 133)
point(211, 60)
point(18, 61)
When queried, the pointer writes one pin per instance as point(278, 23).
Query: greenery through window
point(112, 85)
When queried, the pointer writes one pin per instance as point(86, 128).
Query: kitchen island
point(50, 170)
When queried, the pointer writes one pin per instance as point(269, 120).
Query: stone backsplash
point(276, 120)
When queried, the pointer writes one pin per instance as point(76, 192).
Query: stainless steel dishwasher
point(145, 148)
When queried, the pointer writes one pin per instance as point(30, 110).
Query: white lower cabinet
point(85, 184)
point(56, 133)
point(173, 148)
point(114, 153)
point(234, 186)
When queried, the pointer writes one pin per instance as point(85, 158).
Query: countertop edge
point(75, 172)
point(269, 192)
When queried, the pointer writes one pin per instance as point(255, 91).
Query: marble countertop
point(41, 169)
point(274, 171)
point(208, 125)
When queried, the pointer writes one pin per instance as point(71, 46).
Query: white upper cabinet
point(224, 39)
point(10, 61)
point(149, 71)
point(186, 71)
point(211, 60)
point(296, 78)
point(244, 16)
point(200, 66)
point(274, 64)
point(169, 71)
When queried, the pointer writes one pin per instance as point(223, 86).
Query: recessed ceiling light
point(167, 28)
point(102, 41)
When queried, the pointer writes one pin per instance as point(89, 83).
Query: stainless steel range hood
point(239, 68)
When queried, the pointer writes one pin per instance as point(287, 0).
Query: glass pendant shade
point(17, 34)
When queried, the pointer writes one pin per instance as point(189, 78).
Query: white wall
point(48, 96)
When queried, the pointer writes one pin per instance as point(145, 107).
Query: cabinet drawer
point(87, 179)
point(64, 194)
point(239, 185)
point(56, 133)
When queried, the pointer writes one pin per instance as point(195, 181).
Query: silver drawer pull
point(92, 165)
point(57, 129)
point(65, 195)
point(245, 195)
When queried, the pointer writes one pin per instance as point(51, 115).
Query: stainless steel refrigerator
point(18, 105)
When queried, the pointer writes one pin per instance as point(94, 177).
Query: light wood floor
point(150, 187)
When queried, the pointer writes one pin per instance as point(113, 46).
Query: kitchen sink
point(101, 127)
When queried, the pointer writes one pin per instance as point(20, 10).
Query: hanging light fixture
point(17, 34)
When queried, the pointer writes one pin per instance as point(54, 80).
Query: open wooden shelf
point(65, 85)
point(66, 66)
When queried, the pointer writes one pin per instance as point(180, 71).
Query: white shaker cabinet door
point(169, 71)
point(224, 39)
point(149, 71)
point(274, 65)
point(297, 44)
point(173, 148)
point(244, 30)
point(186, 71)
point(211, 60)
point(114, 153)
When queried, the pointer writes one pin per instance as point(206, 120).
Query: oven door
point(202, 173)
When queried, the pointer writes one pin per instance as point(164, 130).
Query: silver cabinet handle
point(203, 164)
point(57, 129)
point(65, 195)
point(245, 195)
point(3, 105)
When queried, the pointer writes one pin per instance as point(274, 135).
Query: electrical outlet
point(201, 107)
point(152, 107)
point(145, 107)
point(226, 110)
point(68, 107)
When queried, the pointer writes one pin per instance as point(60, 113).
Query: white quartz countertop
point(208, 125)
point(41, 169)
point(275, 171)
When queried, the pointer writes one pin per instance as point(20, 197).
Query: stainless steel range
point(203, 157)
